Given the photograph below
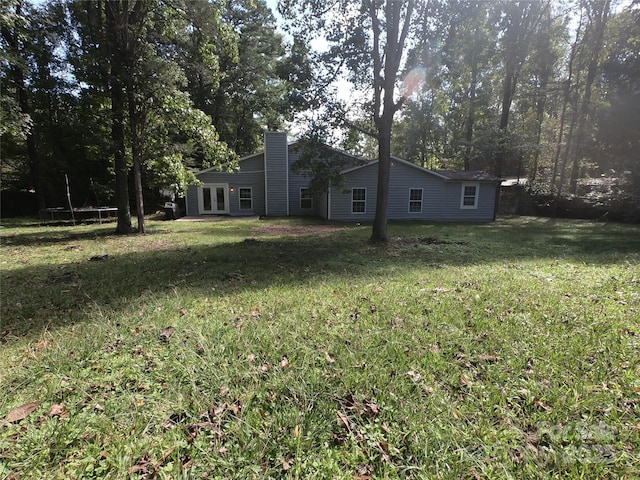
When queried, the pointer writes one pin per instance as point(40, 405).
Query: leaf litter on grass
point(488, 358)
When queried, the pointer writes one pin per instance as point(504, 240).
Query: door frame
point(214, 202)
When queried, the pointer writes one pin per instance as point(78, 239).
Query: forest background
point(142, 93)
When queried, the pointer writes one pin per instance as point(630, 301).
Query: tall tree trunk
point(601, 16)
point(508, 89)
point(540, 107)
point(23, 94)
point(379, 233)
point(32, 146)
point(388, 62)
point(565, 102)
point(115, 25)
point(472, 112)
point(135, 124)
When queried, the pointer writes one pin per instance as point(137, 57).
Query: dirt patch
point(296, 230)
point(424, 241)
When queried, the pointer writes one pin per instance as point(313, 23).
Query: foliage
point(244, 350)
point(365, 41)
point(181, 69)
point(322, 164)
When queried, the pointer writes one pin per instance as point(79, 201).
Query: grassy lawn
point(254, 349)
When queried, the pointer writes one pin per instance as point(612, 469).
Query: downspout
point(266, 172)
point(286, 164)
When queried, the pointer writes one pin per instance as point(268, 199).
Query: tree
point(136, 45)
point(368, 38)
point(617, 134)
point(519, 20)
point(18, 122)
point(598, 12)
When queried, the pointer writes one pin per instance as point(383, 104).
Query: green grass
point(506, 350)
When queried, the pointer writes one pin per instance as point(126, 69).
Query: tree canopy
point(128, 97)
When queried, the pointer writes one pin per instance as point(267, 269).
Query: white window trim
point(421, 199)
point(311, 198)
point(365, 200)
point(462, 196)
point(250, 198)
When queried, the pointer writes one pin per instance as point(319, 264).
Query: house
point(265, 184)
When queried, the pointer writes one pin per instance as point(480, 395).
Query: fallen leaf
point(541, 404)
point(372, 408)
point(235, 407)
point(43, 344)
point(329, 358)
point(287, 464)
point(58, 410)
point(285, 362)
point(343, 420)
point(21, 412)
point(167, 333)
point(489, 358)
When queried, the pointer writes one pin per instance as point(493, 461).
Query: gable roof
point(446, 175)
point(293, 144)
point(469, 176)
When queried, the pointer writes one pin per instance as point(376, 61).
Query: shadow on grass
point(36, 297)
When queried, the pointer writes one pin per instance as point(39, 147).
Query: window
point(246, 201)
point(415, 200)
point(306, 199)
point(469, 197)
point(358, 200)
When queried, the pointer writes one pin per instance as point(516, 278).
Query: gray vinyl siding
point(276, 152)
point(440, 198)
point(340, 198)
point(486, 203)
point(403, 178)
point(253, 180)
point(191, 201)
point(322, 206)
point(296, 182)
point(254, 163)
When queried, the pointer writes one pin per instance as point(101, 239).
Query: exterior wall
point(253, 180)
point(276, 173)
point(323, 205)
point(296, 182)
point(254, 163)
point(191, 201)
point(402, 179)
point(486, 203)
point(340, 198)
point(440, 199)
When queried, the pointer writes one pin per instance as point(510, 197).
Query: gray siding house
point(265, 184)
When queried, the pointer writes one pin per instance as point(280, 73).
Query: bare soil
point(296, 230)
